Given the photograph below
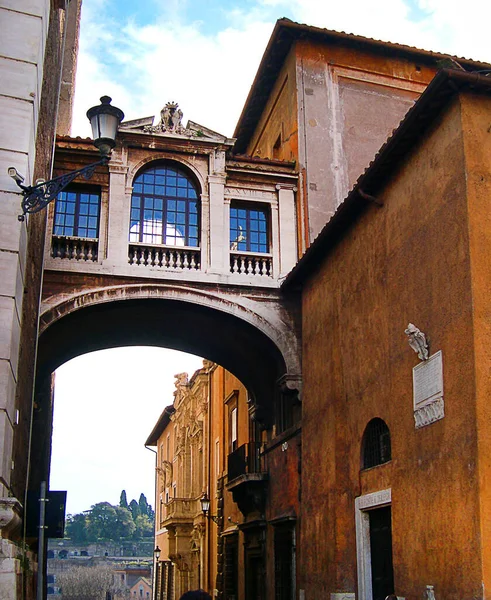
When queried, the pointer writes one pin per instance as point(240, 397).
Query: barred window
point(375, 444)
point(249, 228)
point(164, 207)
point(77, 213)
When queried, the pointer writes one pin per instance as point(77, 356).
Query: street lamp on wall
point(104, 120)
point(205, 507)
point(156, 556)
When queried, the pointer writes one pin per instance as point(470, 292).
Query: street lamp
point(205, 507)
point(156, 556)
point(104, 120)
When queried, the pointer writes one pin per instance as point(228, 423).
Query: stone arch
point(145, 162)
point(259, 344)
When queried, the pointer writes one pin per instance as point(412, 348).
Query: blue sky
point(203, 55)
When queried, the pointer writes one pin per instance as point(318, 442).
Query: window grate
point(376, 444)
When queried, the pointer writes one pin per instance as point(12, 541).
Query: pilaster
point(119, 211)
point(287, 227)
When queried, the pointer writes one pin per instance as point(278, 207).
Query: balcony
point(170, 258)
point(74, 248)
point(248, 263)
point(247, 478)
point(179, 510)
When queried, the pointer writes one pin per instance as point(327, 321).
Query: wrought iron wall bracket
point(37, 197)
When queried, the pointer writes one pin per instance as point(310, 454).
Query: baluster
point(131, 255)
point(151, 257)
point(193, 261)
point(257, 270)
point(249, 266)
point(179, 259)
point(89, 251)
point(186, 260)
point(242, 267)
point(235, 264)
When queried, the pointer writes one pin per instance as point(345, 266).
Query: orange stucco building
point(410, 244)
point(329, 100)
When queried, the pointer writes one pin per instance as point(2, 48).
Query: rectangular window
point(77, 213)
point(233, 429)
point(249, 230)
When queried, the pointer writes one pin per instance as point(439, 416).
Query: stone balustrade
point(165, 257)
point(248, 263)
point(74, 248)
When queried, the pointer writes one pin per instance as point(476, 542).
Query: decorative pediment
point(170, 124)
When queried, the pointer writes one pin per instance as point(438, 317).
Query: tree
point(135, 509)
point(143, 504)
point(76, 528)
point(86, 583)
point(107, 522)
point(123, 501)
point(144, 527)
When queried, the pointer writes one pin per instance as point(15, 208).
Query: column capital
point(286, 186)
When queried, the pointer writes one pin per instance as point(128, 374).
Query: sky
point(203, 55)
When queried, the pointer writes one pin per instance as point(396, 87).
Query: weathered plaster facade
point(333, 99)
point(418, 258)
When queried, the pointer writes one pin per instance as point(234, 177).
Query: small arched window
point(164, 207)
point(375, 444)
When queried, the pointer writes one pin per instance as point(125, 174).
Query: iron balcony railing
point(247, 459)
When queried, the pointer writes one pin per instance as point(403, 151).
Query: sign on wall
point(428, 391)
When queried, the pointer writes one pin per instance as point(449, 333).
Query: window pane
point(248, 229)
point(163, 184)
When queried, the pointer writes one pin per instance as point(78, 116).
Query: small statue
point(417, 341)
point(430, 594)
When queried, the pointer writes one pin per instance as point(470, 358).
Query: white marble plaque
point(428, 391)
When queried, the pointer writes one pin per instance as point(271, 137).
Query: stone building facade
point(38, 49)
point(209, 445)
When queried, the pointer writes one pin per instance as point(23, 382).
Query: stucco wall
point(405, 262)
point(477, 143)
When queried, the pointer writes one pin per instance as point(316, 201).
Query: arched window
point(164, 207)
point(375, 444)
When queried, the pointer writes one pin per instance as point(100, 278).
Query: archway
point(254, 341)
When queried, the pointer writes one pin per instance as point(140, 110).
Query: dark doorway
point(381, 553)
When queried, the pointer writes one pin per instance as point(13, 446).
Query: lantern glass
point(205, 504)
point(104, 120)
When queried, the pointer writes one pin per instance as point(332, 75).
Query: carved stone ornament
point(417, 341)
point(170, 121)
point(10, 521)
point(430, 593)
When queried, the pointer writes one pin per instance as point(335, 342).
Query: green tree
point(143, 504)
point(76, 528)
point(123, 501)
point(107, 522)
point(144, 527)
point(135, 509)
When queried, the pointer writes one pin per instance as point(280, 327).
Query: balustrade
point(180, 509)
point(74, 248)
point(165, 257)
point(248, 263)
point(245, 460)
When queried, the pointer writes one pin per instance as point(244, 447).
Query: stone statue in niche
point(417, 341)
